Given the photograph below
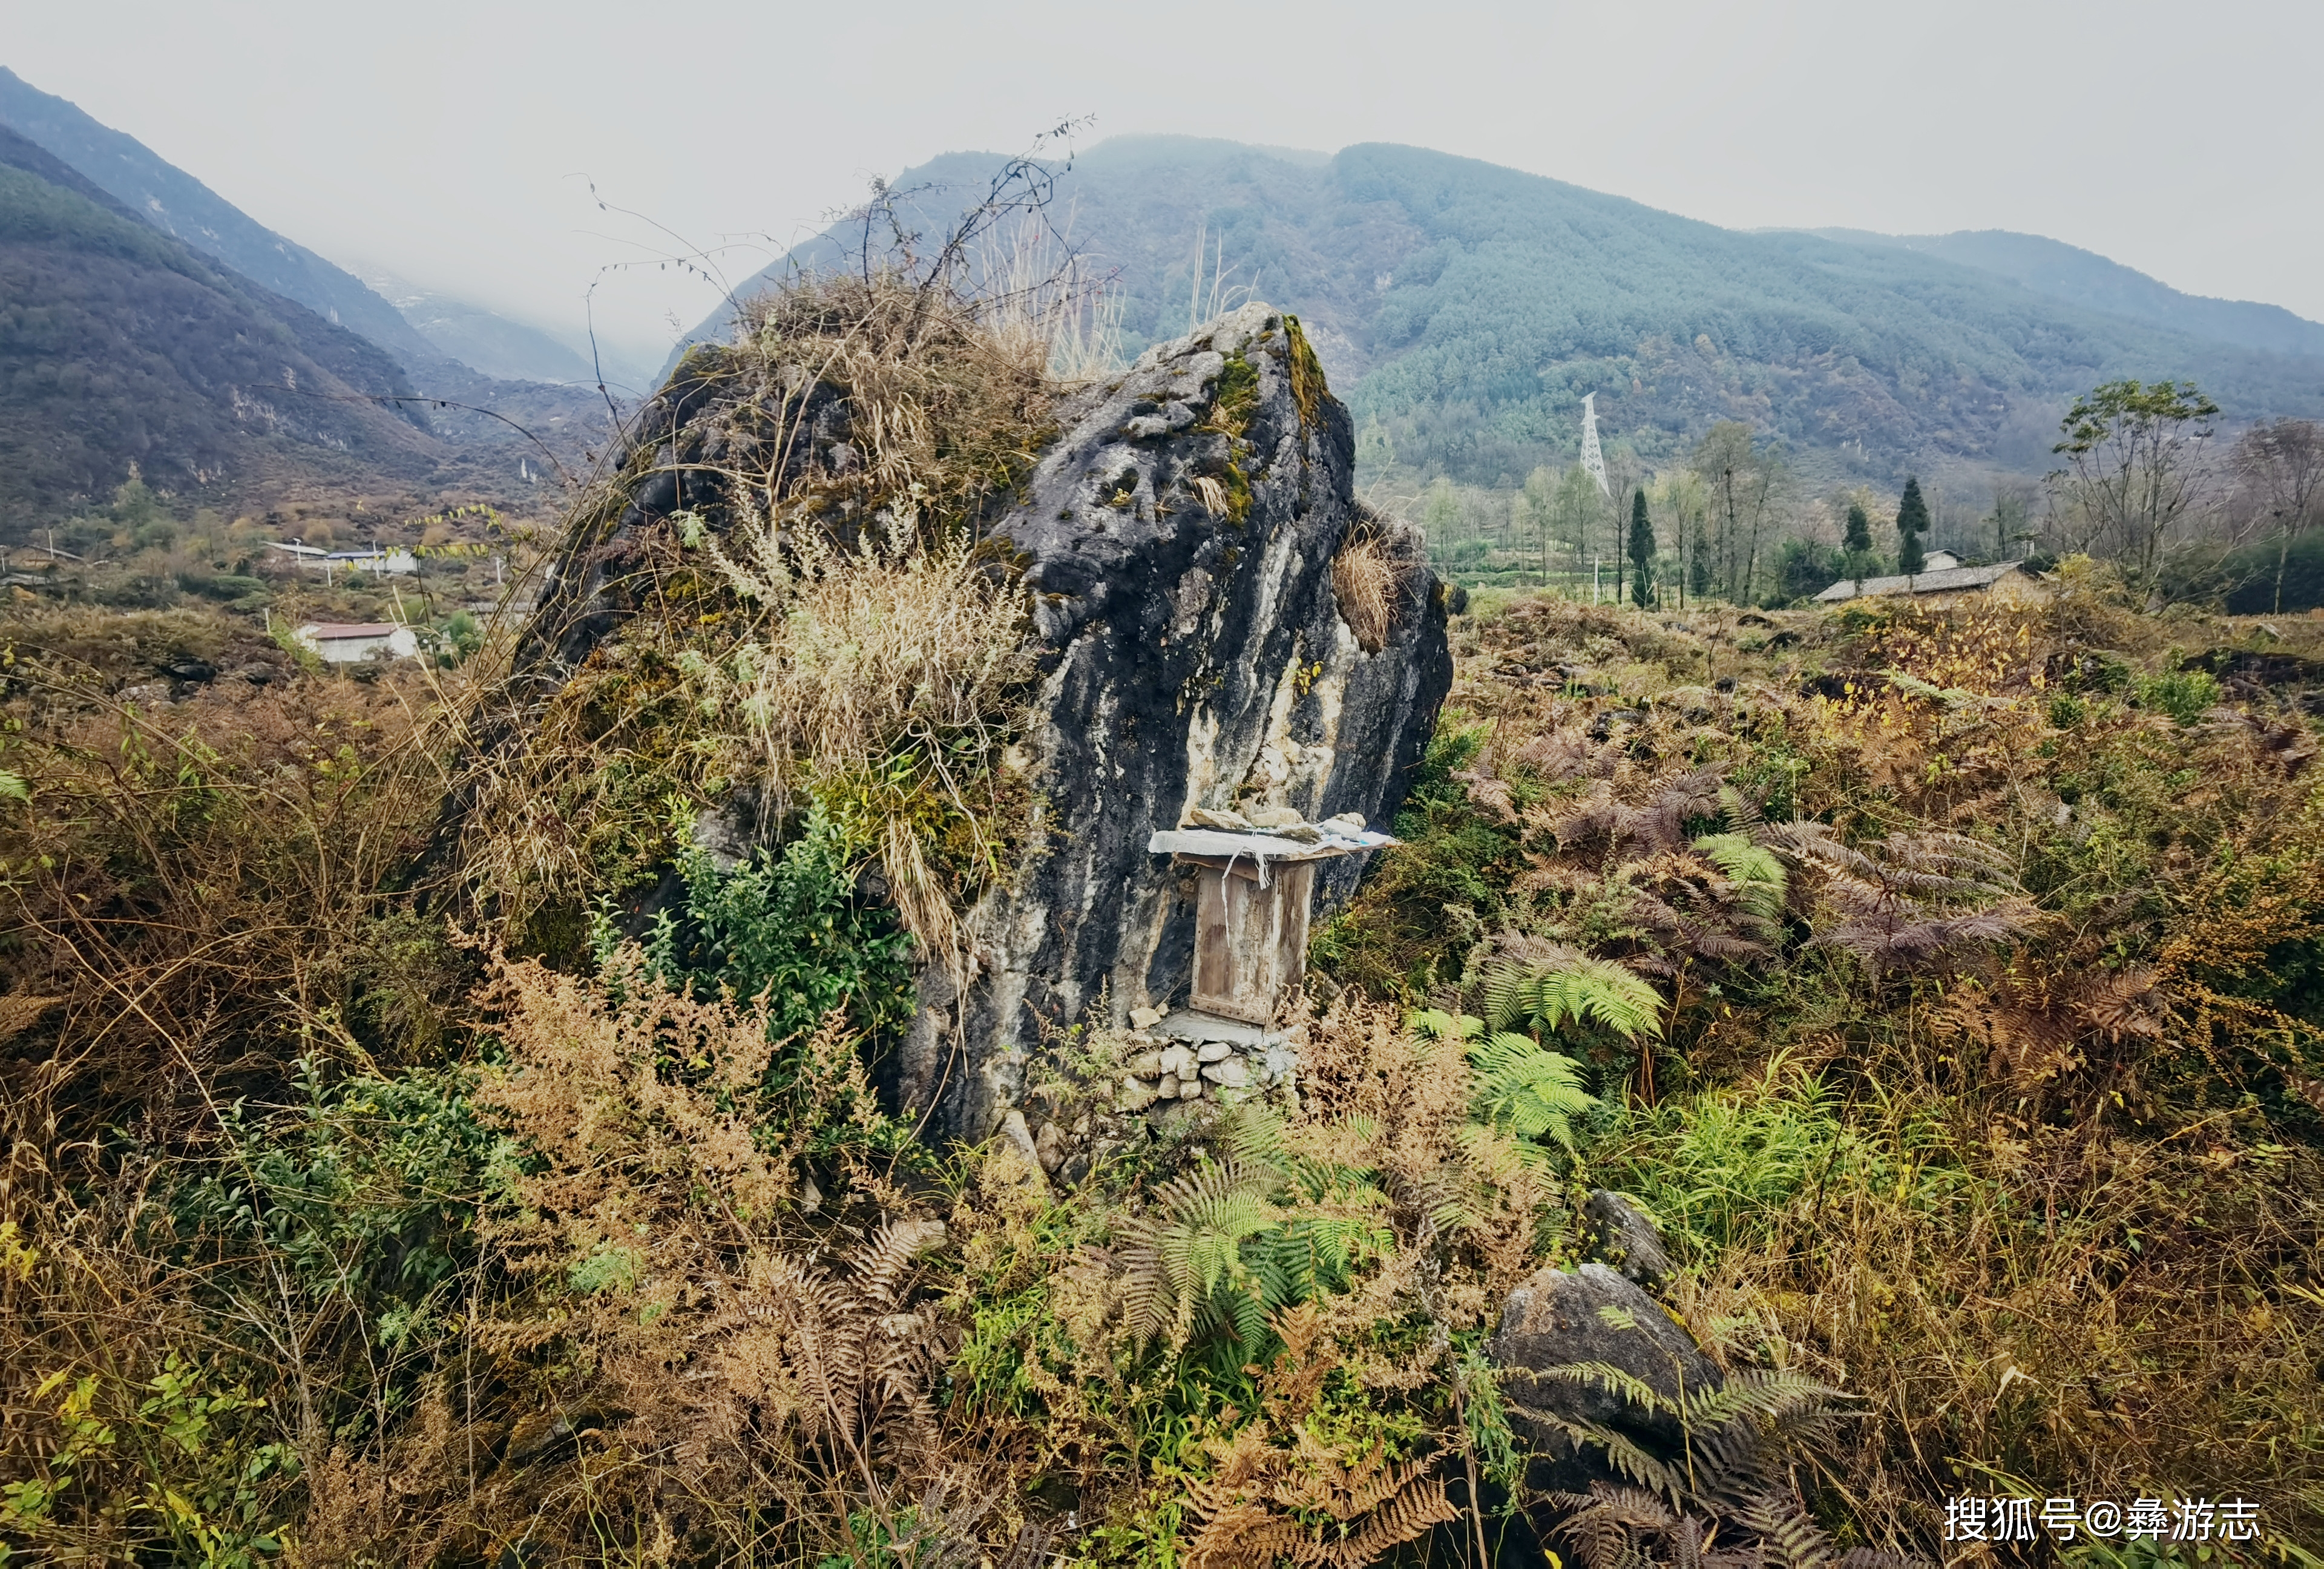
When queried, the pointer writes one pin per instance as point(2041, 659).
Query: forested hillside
point(120, 346)
point(1467, 309)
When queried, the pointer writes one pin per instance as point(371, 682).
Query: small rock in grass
point(1213, 1051)
point(1628, 1239)
point(1020, 1138)
point(1147, 1018)
point(1230, 1072)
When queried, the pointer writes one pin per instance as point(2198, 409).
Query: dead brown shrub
point(198, 891)
point(673, 1354)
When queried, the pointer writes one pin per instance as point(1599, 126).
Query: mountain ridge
point(441, 340)
point(489, 343)
point(1462, 309)
point(2084, 277)
point(122, 347)
point(179, 204)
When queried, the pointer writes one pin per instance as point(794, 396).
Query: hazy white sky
point(452, 141)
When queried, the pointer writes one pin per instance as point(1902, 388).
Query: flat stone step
point(1189, 1025)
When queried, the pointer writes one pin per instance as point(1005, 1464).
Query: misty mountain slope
point(178, 204)
point(2085, 278)
point(488, 343)
point(440, 352)
point(118, 344)
point(1464, 309)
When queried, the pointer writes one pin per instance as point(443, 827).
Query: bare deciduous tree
point(2135, 470)
point(2281, 466)
point(1744, 478)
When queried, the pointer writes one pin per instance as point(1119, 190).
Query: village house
point(393, 559)
point(348, 643)
point(1943, 580)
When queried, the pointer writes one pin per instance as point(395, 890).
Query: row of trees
point(2142, 482)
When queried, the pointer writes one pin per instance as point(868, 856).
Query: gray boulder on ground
point(1558, 1319)
point(1181, 538)
point(1218, 623)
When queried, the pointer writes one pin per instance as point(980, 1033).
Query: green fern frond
point(1252, 1134)
point(1622, 1453)
point(1436, 1024)
point(1584, 990)
point(1246, 1313)
point(1180, 1259)
point(1776, 1397)
point(1628, 1386)
point(1322, 1252)
point(1758, 876)
point(1531, 1091)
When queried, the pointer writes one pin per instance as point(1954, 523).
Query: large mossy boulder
point(1214, 622)
point(1222, 624)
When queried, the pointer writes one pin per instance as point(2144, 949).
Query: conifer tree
point(1856, 544)
point(1858, 540)
point(1642, 550)
point(1912, 523)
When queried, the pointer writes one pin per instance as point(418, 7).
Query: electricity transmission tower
point(1593, 461)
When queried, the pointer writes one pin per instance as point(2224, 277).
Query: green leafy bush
point(2185, 695)
point(791, 927)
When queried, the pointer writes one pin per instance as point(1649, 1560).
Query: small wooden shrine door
point(1250, 942)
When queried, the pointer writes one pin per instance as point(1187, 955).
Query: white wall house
point(345, 643)
point(396, 559)
point(393, 559)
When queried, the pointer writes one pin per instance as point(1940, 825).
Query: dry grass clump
point(803, 614)
point(885, 677)
point(1364, 579)
point(1371, 578)
point(853, 391)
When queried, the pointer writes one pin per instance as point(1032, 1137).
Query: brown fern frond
point(879, 1264)
point(1566, 754)
point(1663, 824)
point(1604, 1526)
point(1791, 1535)
point(1418, 1503)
